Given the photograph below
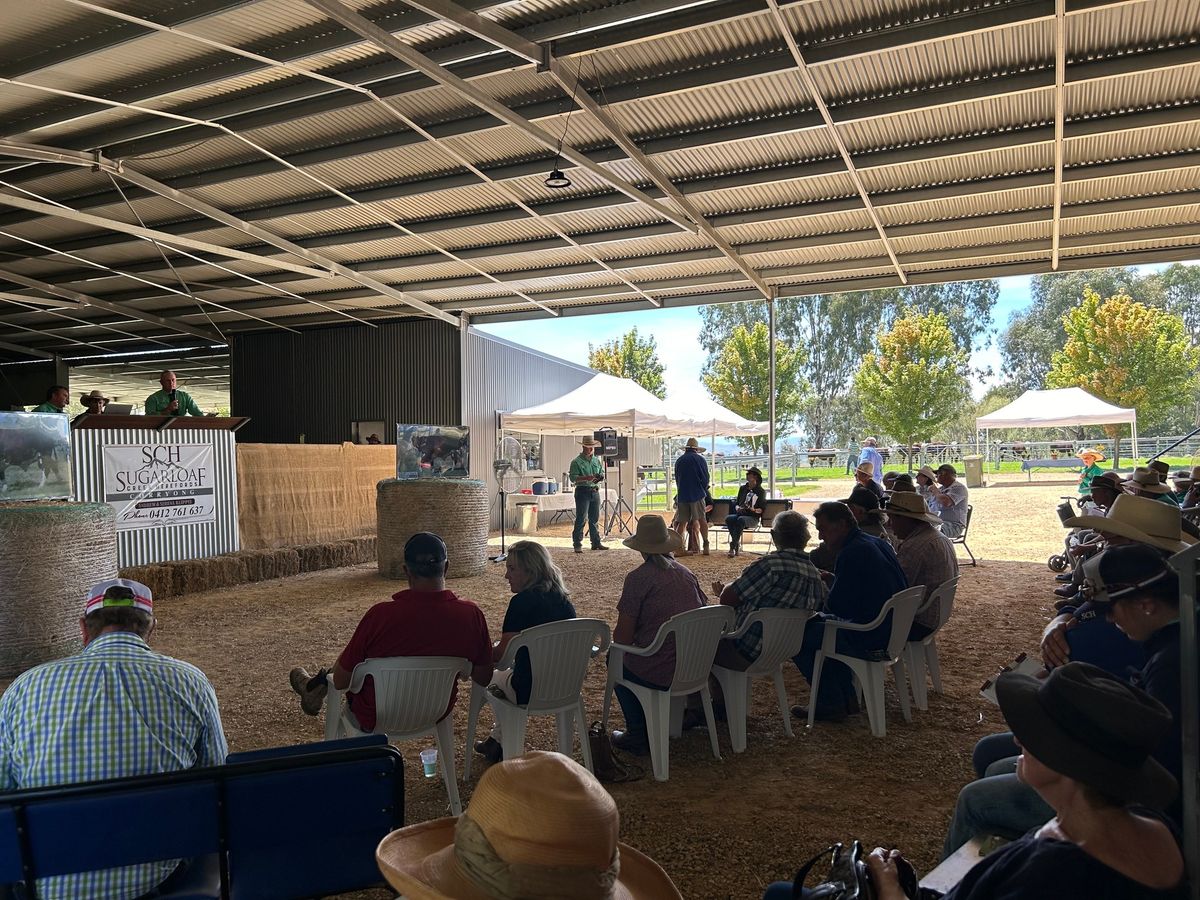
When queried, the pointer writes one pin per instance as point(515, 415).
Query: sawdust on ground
point(721, 828)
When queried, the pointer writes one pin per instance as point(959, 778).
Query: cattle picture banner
point(152, 485)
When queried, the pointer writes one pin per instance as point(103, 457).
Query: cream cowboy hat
point(1146, 480)
point(539, 826)
point(92, 395)
point(911, 505)
point(1094, 452)
point(928, 472)
point(653, 536)
point(590, 442)
point(1140, 519)
point(867, 468)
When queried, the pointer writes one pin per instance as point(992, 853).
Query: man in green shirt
point(170, 401)
point(57, 398)
point(586, 474)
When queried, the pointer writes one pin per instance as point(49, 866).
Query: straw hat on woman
point(539, 827)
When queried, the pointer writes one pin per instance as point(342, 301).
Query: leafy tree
point(1129, 354)
point(739, 380)
point(917, 381)
point(1032, 337)
point(631, 356)
point(838, 331)
point(1181, 295)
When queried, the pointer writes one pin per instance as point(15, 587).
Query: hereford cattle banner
point(150, 485)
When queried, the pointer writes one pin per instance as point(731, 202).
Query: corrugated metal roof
point(947, 108)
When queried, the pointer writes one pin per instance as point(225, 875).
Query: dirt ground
point(721, 828)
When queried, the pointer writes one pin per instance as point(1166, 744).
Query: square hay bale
point(281, 563)
point(364, 549)
point(160, 579)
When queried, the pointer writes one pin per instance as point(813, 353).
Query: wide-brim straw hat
point(590, 442)
point(1147, 480)
point(1094, 452)
point(92, 395)
point(538, 813)
point(1092, 727)
point(911, 505)
point(866, 468)
point(1140, 519)
point(653, 536)
point(928, 472)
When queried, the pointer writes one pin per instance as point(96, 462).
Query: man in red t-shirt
point(425, 620)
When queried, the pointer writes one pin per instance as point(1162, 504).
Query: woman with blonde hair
point(539, 597)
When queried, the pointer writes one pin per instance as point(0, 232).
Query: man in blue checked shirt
point(115, 710)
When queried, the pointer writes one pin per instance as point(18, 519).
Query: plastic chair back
point(962, 538)
point(782, 636)
point(943, 594)
point(721, 508)
point(696, 632)
point(772, 508)
point(559, 654)
point(904, 605)
point(411, 692)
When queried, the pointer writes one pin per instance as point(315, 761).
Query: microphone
point(172, 395)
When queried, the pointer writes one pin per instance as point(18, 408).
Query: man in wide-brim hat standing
point(587, 474)
point(691, 481)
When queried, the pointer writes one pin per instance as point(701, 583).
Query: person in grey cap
point(425, 620)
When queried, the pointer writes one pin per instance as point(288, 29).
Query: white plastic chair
point(922, 656)
point(696, 634)
point(559, 653)
point(783, 636)
point(411, 696)
point(903, 605)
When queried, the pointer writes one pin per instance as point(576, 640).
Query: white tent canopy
point(1064, 407)
point(605, 401)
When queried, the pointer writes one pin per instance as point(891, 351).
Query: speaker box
point(608, 440)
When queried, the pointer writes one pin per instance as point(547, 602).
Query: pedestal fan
point(508, 466)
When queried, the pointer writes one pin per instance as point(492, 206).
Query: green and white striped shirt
point(115, 710)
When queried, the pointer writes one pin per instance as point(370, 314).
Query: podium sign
point(154, 484)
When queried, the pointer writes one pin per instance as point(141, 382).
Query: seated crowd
point(1084, 784)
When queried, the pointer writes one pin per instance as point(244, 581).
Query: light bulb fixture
point(556, 179)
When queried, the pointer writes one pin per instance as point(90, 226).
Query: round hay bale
point(454, 509)
point(50, 554)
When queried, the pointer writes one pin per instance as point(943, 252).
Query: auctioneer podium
point(172, 481)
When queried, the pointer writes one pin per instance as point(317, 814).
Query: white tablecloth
point(551, 502)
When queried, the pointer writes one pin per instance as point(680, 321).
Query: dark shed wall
point(319, 381)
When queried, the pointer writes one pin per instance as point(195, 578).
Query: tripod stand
point(620, 509)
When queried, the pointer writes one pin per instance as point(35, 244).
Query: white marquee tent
point(1064, 407)
point(605, 401)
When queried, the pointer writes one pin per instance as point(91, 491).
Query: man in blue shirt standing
point(691, 482)
point(865, 577)
point(874, 457)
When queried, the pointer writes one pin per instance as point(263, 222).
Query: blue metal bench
point(1028, 465)
point(245, 823)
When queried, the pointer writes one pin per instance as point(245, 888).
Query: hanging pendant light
point(556, 179)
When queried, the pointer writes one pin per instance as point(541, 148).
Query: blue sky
point(677, 332)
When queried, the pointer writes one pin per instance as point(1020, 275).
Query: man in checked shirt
point(115, 710)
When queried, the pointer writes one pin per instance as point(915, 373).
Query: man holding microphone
point(171, 401)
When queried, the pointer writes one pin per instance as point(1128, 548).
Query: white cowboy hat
point(1140, 519)
point(867, 468)
point(538, 825)
point(928, 472)
point(1094, 452)
point(1146, 480)
point(912, 506)
point(653, 536)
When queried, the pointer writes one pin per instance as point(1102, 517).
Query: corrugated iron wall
point(498, 375)
point(142, 546)
point(319, 381)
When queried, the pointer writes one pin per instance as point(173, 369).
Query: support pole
point(771, 393)
point(1186, 564)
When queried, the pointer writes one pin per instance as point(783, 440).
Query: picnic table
point(818, 455)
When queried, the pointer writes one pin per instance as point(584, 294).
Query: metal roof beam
point(350, 19)
point(27, 351)
point(571, 87)
point(1060, 71)
point(88, 300)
